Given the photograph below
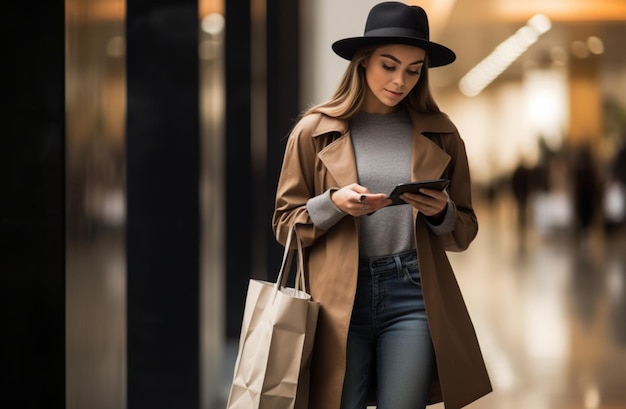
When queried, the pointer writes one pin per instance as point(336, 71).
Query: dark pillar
point(32, 205)
point(239, 197)
point(163, 213)
point(283, 100)
point(282, 109)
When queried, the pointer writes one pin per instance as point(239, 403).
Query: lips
point(393, 94)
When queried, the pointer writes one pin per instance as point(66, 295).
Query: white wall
point(324, 22)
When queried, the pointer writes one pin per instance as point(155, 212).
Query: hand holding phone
point(414, 187)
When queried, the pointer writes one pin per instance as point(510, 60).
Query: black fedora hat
point(396, 23)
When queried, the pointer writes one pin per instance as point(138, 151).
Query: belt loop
point(398, 263)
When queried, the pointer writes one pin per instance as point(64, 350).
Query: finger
point(414, 199)
point(421, 203)
point(373, 199)
point(431, 193)
point(362, 190)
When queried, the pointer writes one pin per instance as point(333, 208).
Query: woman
point(393, 327)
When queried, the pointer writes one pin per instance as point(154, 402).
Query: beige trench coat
point(319, 156)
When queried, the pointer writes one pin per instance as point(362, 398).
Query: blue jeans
point(389, 337)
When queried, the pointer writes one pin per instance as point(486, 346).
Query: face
point(391, 72)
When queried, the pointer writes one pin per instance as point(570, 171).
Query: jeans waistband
point(383, 260)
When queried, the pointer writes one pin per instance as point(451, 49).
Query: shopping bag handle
point(281, 281)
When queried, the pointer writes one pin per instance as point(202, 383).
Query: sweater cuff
point(323, 211)
point(447, 224)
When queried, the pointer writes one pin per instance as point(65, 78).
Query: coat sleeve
point(296, 185)
point(460, 190)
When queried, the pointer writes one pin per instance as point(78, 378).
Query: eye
point(416, 72)
point(388, 67)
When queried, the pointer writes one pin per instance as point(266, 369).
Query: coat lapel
point(429, 161)
point(338, 157)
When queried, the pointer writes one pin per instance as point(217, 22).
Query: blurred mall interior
point(143, 141)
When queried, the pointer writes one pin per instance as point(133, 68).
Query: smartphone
point(414, 187)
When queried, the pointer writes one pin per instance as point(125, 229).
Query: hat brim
point(438, 55)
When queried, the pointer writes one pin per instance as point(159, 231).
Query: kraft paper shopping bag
point(276, 342)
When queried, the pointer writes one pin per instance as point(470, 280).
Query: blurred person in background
point(393, 328)
point(619, 164)
point(615, 196)
point(520, 185)
point(587, 190)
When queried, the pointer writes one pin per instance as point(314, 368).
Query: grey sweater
point(382, 148)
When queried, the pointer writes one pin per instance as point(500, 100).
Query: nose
point(399, 79)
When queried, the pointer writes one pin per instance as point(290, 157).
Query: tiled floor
point(550, 315)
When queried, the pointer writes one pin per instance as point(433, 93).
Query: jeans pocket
point(411, 274)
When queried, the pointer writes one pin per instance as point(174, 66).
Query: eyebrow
point(391, 57)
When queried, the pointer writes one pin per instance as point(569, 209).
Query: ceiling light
point(504, 55)
point(595, 45)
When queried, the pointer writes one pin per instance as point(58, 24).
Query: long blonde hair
point(350, 93)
